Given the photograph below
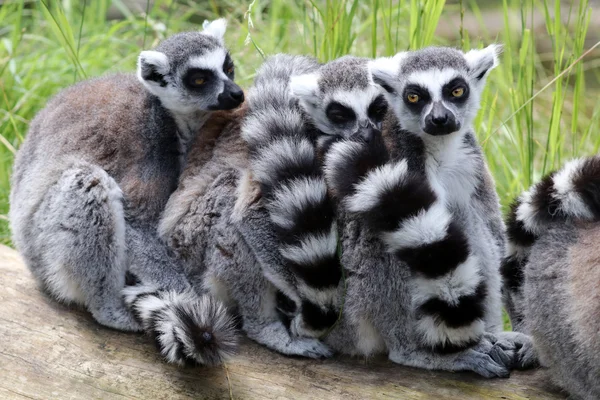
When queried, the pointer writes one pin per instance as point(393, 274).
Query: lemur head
point(436, 90)
point(341, 99)
point(192, 71)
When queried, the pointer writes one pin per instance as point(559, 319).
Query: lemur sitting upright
point(551, 274)
point(434, 207)
point(285, 141)
point(92, 178)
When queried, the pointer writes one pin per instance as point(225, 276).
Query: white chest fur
point(451, 168)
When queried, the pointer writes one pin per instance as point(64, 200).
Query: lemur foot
point(275, 336)
point(306, 347)
point(525, 356)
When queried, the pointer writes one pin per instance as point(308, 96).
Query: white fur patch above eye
point(304, 86)
point(434, 80)
point(215, 28)
point(482, 61)
point(212, 60)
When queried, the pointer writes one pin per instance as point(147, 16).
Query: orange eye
point(458, 92)
point(199, 81)
point(230, 70)
point(413, 98)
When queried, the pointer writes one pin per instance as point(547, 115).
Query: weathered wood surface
point(48, 351)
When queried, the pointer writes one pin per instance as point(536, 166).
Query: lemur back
point(551, 273)
point(92, 178)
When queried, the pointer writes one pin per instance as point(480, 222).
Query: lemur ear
point(305, 86)
point(482, 61)
point(152, 67)
point(215, 28)
point(384, 71)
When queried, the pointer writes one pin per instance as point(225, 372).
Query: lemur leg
point(81, 236)
point(235, 276)
point(486, 359)
point(151, 262)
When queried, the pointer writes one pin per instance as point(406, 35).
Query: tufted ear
point(482, 61)
point(305, 87)
point(152, 67)
point(384, 71)
point(215, 28)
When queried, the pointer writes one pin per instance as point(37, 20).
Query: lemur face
point(192, 71)
point(435, 91)
point(341, 99)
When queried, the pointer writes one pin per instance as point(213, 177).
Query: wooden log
point(51, 351)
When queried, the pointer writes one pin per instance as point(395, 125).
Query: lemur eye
point(458, 92)
point(339, 113)
point(196, 78)
point(377, 109)
point(230, 70)
point(413, 97)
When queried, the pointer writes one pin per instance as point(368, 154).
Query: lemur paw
point(487, 359)
point(525, 356)
point(307, 347)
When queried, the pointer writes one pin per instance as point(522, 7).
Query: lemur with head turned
point(93, 177)
point(551, 274)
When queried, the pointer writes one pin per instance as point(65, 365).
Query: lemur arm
point(412, 221)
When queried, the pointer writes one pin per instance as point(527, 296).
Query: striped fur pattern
point(569, 194)
point(413, 222)
point(188, 329)
point(284, 161)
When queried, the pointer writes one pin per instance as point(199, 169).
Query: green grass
point(534, 112)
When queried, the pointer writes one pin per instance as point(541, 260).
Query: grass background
point(539, 109)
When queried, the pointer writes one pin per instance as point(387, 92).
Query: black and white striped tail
point(571, 193)
point(187, 328)
point(414, 224)
point(284, 161)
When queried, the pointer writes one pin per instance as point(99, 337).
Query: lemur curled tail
point(283, 160)
point(93, 176)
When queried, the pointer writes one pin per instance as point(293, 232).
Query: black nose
point(231, 97)
point(440, 121)
point(237, 95)
point(366, 133)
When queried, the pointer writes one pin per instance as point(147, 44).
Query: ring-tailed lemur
point(551, 273)
point(431, 203)
point(94, 174)
point(285, 131)
point(203, 224)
